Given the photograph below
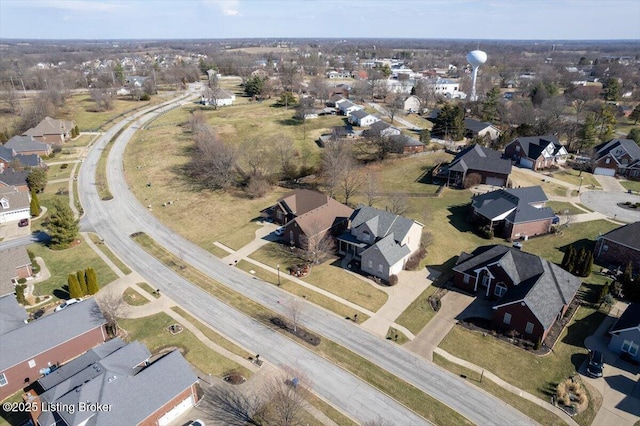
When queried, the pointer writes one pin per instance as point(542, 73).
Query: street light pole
point(580, 186)
point(278, 267)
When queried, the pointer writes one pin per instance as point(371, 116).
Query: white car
point(279, 231)
point(66, 304)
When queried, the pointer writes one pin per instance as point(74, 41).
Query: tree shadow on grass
point(458, 217)
point(62, 293)
point(290, 122)
point(580, 329)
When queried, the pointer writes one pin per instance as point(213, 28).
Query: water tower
point(475, 59)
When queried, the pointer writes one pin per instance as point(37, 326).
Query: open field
point(152, 332)
point(413, 398)
point(330, 277)
point(534, 374)
point(63, 262)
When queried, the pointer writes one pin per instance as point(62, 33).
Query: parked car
point(37, 314)
point(197, 422)
point(66, 304)
point(596, 364)
point(280, 231)
point(23, 222)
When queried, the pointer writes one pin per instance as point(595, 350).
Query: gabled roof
point(12, 315)
point(517, 202)
point(7, 154)
point(628, 144)
point(219, 93)
point(533, 146)
point(21, 143)
point(379, 126)
point(10, 154)
point(479, 158)
point(543, 286)
point(360, 114)
point(12, 259)
point(50, 126)
point(391, 251)
point(302, 201)
point(476, 126)
point(13, 178)
point(323, 217)
point(16, 200)
point(381, 223)
point(405, 140)
point(627, 235)
point(133, 394)
point(629, 319)
point(48, 332)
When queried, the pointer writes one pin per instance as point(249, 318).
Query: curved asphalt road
point(116, 219)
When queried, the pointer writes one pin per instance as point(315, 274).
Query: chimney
point(35, 406)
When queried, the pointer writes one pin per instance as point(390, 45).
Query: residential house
point(218, 97)
point(625, 333)
point(381, 129)
point(403, 144)
point(514, 213)
point(361, 118)
point(12, 316)
point(309, 216)
point(26, 145)
point(9, 158)
point(12, 178)
point(347, 107)
point(15, 265)
point(121, 376)
point(536, 152)
point(380, 241)
point(412, 104)
point(478, 129)
point(446, 87)
point(617, 157)
point(51, 130)
point(529, 293)
point(27, 351)
point(620, 246)
point(486, 162)
point(14, 204)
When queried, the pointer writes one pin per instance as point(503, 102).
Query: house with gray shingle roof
point(486, 162)
point(514, 213)
point(12, 315)
point(120, 376)
point(51, 130)
point(14, 178)
point(536, 152)
point(346, 107)
point(475, 128)
point(529, 293)
point(27, 351)
point(381, 129)
point(617, 157)
point(381, 241)
point(362, 118)
point(620, 246)
point(15, 265)
point(8, 158)
point(25, 145)
point(625, 333)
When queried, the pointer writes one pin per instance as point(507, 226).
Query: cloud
point(76, 5)
point(228, 7)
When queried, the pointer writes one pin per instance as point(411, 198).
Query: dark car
point(23, 222)
point(596, 364)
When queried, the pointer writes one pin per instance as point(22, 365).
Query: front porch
point(348, 245)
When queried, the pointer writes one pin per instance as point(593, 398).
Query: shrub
point(472, 179)
point(22, 280)
point(64, 166)
point(145, 97)
point(393, 280)
point(20, 294)
point(413, 263)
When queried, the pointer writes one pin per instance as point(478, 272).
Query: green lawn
point(534, 374)
point(574, 177)
point(152, 332)
point(633, 185)
point(330, 277)
point(80, 108)
point(133, 298)
point(396, 336)
point(63, 262)
point(146, 287)
point(419, 312)
point(559, 207)
point(57, 171)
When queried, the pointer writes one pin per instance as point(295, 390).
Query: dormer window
point(366, 236)
point(5, 203)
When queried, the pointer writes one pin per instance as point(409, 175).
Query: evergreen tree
point(565, 258)
point(490, 105)
point(450, 122)
point(74, 286)
point(612, 89)
point(571, 261)
point(634, 135)
point(254, 86)
point(635, 114)
point(20, 294)
point(37, 179)
point(62, 226)
point(607, 123)
point(425, 136)
point(578, 266)
point(588, 133)
point(83, 282)
point(77, 130)
point(34, 206)
point(630, 287)
point(92, 281)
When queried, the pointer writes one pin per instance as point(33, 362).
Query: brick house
point(529, 293)
point(381, 129)
point(26, 349)
point(9, 156)
point(486, 162)
point(25, 145)
point(15, 265)
point(536, 152)
point(625, 333)
point(620, 246)
point(617, 157)
point(380, 241)
point(52, 131)
point(309, 216)
point(514, 213)
point(123, 377)
point(403, 144)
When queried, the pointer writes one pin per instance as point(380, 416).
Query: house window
point(5, 203)
point(529, 328)
point(517, 148)
point(370, 264)
point(466, 279)
point(630, 347)
point(507, 318)
point(380, 267)
point(32, 363)
point(605, 248)
point(365, 236)
point(607, 160)
point(3, 380)
point(500, 290)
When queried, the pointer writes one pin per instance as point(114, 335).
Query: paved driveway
point(619, 386)
point(607, 204)
point(609, 184)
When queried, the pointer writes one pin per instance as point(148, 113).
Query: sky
point(216, 19)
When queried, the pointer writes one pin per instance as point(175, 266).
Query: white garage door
point(175, 411)
point(495, 181)
point(604, 171)
point(525, 162)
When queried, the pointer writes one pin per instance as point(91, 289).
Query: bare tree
point(9, 95)
point(319, 88)
point(232, 407)
point(335, 151)
point(394, 103)
point(351, 179)
point(284, 152)
point(371, 187)
point(198, 122)
point(255, 156)
point(294, 308)
point(399, 204)
point(213, 161)
point(304, 108)
point(112, 306)
point(286, 405)
point(318, 244)
point(102, 98)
